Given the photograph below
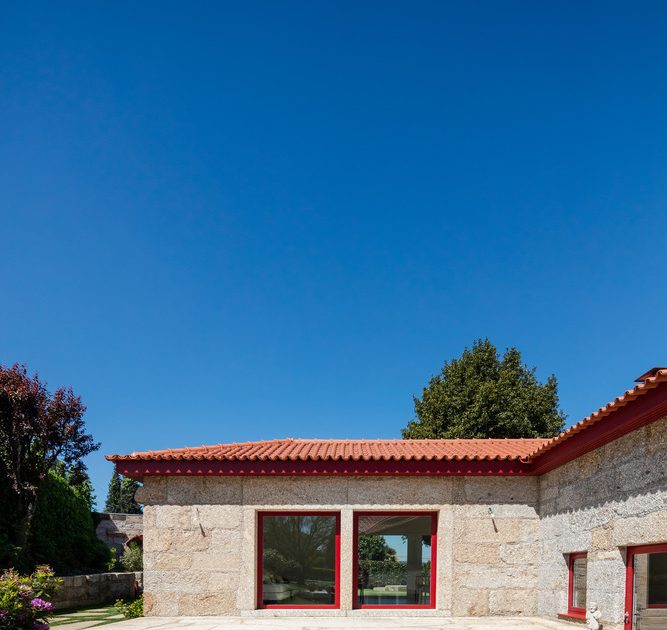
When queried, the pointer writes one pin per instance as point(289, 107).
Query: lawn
point(95, 616)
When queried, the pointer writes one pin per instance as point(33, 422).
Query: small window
point(577, 589)
point(298, 560)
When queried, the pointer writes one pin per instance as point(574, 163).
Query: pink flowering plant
point(24, 600)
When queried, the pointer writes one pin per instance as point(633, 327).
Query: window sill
point(575, 617)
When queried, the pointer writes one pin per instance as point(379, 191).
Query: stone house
point(545, 527)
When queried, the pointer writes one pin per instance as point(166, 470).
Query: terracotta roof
point(649, 381)
point(294, 450)
point(348, 450)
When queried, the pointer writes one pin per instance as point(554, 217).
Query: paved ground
point(340, 623)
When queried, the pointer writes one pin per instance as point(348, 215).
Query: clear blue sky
point(233, 221)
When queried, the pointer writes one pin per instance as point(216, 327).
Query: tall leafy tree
point(480, 395)
point(37, 429)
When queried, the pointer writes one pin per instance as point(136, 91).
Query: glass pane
point(299, 560)
point(657, 579)
point(394, 560)
point(579, 583)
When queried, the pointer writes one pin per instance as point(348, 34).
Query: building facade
point(546, 528)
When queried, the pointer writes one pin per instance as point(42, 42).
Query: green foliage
point(382, 572)
point(63, 532)
point(481, 396)
point(133, 559)
point(112, 563)
point(25, 601)
point(131, 610)
point(374, 547)
point(113, 494)
point(120, 495)
point(37, 430)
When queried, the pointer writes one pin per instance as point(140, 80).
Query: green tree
point(481, 396)
point(375, 547)
point(120, 495)
point(128, 488)
point(113, 494)
point(37, 430)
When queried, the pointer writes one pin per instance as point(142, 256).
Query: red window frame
point(260, 555)
point(355, 564)
point(630, 576)
point(572, 611)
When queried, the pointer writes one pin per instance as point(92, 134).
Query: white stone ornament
point(593, 615)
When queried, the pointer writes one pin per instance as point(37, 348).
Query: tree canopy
point(38, 430)
point(480, 395)
point(375, 547)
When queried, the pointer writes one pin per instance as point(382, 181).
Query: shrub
point(24, 601)
point(112, 564)
point(132, 609)
point(133, 558)
point(382, 572)
point(63, 533)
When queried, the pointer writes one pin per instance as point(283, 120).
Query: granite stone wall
point(601, 503)
point(502, 542)
point(200, 538)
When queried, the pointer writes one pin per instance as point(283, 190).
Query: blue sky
point(233, 221)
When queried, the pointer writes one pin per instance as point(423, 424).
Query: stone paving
point(339, 623)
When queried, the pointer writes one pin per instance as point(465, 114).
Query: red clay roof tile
point(394, 450)
point(348, 450)
point(659, 375)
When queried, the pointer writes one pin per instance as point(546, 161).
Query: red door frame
point(355, 559)
point(630, 576)
point(572, 611)
point(260, 554)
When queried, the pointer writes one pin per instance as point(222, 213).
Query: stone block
point(402, 492)
point(470, 602)
point(218, 516)
point(520, 553)
point(218, 603)
point(286, 492)
point(500, 490)
point(641, 530)
point(511, 601)
point(485, 553)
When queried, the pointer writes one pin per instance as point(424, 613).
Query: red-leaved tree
point(37, 429)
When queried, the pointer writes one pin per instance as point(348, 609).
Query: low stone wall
point(98, 588)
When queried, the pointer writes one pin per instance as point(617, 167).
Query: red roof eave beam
point(137, 469)
point(650, 407)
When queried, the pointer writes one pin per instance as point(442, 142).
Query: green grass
point(102, 615)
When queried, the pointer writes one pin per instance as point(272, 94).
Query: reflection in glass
point(298, 560)
point(394, 559)
point(579, 569)
point(657, 579)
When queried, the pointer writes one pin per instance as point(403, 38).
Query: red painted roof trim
point(650, 407)
point(139, 469)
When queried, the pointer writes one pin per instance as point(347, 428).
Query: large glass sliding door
point(394, 559)
point(646, 595)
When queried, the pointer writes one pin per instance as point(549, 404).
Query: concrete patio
point(340, 623)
